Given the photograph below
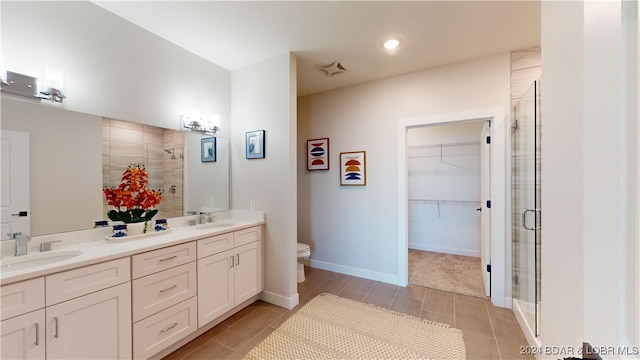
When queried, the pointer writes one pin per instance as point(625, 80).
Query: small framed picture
point(318, 154)
point(255, 144)
point(353, 168)
point(208, 149)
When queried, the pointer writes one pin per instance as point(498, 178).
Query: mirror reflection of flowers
point(132, 199)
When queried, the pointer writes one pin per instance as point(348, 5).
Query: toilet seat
point(303, 250)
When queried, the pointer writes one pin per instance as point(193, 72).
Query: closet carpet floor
point(454, 273)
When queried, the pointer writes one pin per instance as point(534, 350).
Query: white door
point(15, 183)
point(248, 271)
point(23, 336)
point(94, 326)
point(485, 211)
point(215, 286)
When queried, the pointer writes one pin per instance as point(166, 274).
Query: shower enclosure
point(526, 205)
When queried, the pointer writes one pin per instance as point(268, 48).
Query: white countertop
point(95, 248)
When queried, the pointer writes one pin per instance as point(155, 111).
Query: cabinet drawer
point(77, 282)
point(22, 297)
point(162, 259)
point(215, 244)
point(246, 236)
point(161, 290)
point(163, 329)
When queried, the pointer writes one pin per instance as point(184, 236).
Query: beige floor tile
point(439, 301)
point(210, 350)
point(240, 353)
point(481, 347)
point(473, 317)
point(380, 296)
point(359, 286)
point(244, 330)
point(437, 317)
point(413, 291)
point(351, 295)
point(406, 305)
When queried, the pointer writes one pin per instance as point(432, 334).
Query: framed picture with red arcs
point(318, 154)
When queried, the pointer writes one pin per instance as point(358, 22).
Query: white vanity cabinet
point(164, 298)
point(23, 320)
point(229, 271)
point(88, 313)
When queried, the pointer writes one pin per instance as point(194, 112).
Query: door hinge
point(488, 267)
point(488, 139)
point(488, 204)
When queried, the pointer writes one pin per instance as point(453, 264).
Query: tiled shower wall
point(160, 150)
point(526, 67)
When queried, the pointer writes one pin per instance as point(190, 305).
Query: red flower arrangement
point(132, 199)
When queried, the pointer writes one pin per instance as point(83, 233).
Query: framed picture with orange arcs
point(353, 168)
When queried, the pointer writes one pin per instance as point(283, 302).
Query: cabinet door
point(23, 336)
point(93, 326)
point(248, 271)
point(215, 286)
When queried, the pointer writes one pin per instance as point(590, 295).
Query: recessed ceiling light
point(391, 44)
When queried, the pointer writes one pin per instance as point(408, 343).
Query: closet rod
point(443, 145)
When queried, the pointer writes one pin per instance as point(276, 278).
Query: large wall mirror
point(73, 156)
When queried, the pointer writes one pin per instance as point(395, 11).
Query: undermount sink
point(37, 259)
point(215, 225)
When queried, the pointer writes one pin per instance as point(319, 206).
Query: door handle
point(524, 219)
point(21, 214)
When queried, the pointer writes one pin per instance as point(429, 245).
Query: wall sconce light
point(52, 85)
point(207, 126)
point(25, 85)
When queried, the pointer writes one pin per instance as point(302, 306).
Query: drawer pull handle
point(37, 334)
point(169, 258)
point(55, 335)
point(232, 260)
point(169, 288)
point(169, 327)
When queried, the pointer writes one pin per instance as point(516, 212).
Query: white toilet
point(304, 251)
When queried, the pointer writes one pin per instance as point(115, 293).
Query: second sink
point(37, 259)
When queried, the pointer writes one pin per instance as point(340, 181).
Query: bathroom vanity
point(139, 298)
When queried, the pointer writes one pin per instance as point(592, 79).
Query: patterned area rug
point(329, 326)
point(455, 273)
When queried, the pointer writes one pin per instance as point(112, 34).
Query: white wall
point(263, 98)
point(354, 229)
point(450, 173)
point(60, 169)
point(585, 287)
point(111, 67)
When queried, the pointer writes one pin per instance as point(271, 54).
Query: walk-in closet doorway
point(498, 193)
point(448, 176)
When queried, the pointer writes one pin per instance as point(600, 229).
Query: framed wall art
point(208, 149)
point(353, 168)
point(318, 154)
point(255, 144)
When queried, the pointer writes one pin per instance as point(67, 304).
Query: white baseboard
point(348, 270)
point(439, 249)
point(279, 300)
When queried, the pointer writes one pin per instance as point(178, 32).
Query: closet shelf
point(447, 202)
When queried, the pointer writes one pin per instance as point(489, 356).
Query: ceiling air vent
point(332, 68)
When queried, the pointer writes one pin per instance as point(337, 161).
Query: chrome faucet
point(46, 245)
point(22, 240)
point(205, 217)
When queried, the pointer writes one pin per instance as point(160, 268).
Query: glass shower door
point(527, 207)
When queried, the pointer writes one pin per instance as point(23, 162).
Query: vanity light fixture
point(25, 85)
point(207, 126)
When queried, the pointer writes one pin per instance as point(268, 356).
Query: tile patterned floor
point(489, 332)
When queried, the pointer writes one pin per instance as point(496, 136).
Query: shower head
point(171, 151)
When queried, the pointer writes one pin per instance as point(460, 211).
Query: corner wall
point(263, 98)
